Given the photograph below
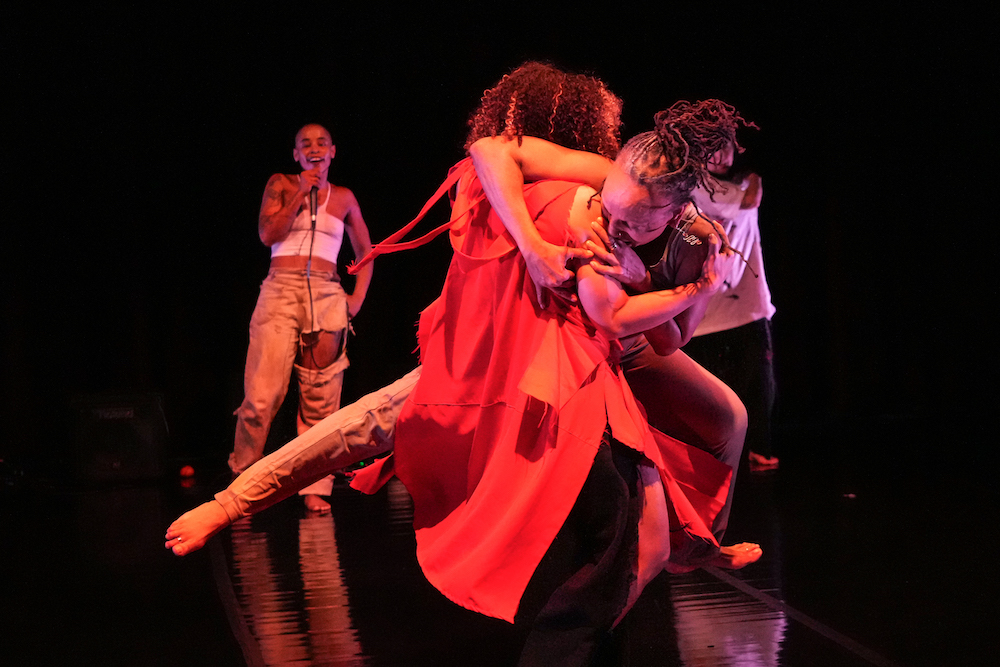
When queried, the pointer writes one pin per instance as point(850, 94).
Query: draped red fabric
point(501, 431)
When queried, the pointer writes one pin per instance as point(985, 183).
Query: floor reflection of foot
point(759, 462)
point(737, 556)
point(316, 504)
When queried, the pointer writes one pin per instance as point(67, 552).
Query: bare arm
point(535, 160)
point(670, 336)
point(670, 314)
point(361, 242)
point(281, 203)
point(503, 166)
point(618, 315)
point(623, 265)
point(675, 334)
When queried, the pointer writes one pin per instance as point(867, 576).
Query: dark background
point(137, 146)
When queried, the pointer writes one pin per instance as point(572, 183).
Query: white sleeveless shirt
point(328, 239)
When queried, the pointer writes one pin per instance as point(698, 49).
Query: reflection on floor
point(306, 610)
point(717, 625)
point(870, 559)
point(301, 619)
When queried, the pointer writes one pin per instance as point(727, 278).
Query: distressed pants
point(287, 308)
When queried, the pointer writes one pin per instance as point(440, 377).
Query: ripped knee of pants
point(320, 349)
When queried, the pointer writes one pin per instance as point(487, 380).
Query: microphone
point(314, 194)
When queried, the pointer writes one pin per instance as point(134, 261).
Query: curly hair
point(672, 160)
point(539, 100)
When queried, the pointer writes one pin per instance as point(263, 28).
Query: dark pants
point(582, 582)
point(743, 358)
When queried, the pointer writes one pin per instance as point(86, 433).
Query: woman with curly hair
point(530, 100)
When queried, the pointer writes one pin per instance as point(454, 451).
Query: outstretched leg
point(352, 434)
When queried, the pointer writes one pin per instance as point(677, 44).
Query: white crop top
point(329, 236)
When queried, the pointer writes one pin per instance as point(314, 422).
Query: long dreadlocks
point(672, 160)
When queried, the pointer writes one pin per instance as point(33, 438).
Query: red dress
point(501, 431)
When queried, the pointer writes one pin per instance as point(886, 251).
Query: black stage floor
point(876, 553)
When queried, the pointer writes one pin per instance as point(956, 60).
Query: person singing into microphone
point(302, 314)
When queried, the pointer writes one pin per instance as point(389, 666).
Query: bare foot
point(759, 462)
point(737, 556)
point(316, 504)
point(190, 532)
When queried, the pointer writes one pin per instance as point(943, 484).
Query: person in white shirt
point(733, 340)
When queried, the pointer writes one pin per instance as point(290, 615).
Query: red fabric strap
point(393, 244)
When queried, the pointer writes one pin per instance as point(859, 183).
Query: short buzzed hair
point(322, 127)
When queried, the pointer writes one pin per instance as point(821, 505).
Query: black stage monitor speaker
point(119, 438)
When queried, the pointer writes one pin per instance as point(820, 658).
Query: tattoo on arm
point(275, 192)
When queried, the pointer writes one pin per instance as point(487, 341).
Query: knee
point(321, 380)
point(728, 426)
point(738, 420)
point(258, 410)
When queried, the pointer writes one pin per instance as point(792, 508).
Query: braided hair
point(539, 100)
point(672, 160)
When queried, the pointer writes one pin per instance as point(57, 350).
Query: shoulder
point(342, 194)
point(345, 206)
point(585, 209)
point(700, 229)
point(688, 241)
point(586, 198)
point(693, 224)
point(282, 181)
